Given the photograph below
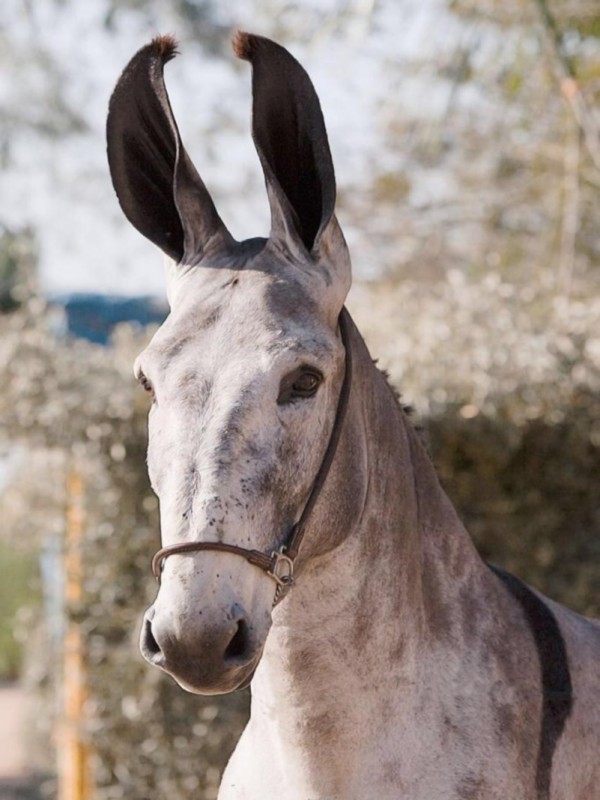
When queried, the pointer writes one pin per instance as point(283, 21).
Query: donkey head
point(246, 370)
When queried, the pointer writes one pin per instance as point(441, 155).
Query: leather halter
point(279, 565)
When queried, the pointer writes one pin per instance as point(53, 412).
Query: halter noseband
point(279, 565)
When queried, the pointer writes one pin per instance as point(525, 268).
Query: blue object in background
point(93, 316)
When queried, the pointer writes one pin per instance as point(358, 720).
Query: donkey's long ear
point(289, 133)
point(158, 187)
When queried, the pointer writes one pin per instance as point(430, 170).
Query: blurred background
point(466, 139)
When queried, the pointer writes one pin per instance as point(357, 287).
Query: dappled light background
point(466, 139)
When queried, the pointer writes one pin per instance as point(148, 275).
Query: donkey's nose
point(148, 645)
point(199, 656)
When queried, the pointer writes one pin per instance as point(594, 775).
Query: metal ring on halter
point(280, 564)
point(285, 577)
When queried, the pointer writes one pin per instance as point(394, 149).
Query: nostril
point(150, 644)
point(238, 646)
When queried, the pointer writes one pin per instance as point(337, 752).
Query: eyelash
point(145, 383)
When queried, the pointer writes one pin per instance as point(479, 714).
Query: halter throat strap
point(279, 564)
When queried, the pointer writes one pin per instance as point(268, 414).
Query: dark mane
point(405, 408)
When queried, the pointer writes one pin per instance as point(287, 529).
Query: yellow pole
point(73, 752)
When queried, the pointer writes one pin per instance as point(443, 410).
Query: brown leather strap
point(261, 560)
point(297, 535)
point(286, 555)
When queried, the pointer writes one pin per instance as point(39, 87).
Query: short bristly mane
point(406, 408)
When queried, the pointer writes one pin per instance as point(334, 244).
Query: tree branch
point(570, 212)
point(569, 84)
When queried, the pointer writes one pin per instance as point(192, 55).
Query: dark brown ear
point(156, 183)
point(289, 133)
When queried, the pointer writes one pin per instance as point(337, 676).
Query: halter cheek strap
point(279, 565)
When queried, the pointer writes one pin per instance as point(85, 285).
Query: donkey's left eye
point(306, 384)
point(301, 383)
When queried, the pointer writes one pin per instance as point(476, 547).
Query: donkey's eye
point(145, 383)
point(306, 384)
point(300, 383)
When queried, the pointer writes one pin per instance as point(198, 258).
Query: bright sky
point(61, 186)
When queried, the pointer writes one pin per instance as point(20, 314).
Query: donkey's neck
point(350, 641)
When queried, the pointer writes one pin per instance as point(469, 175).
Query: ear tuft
point(244, 45)
point(165, 47)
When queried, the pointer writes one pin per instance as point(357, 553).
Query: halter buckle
point(282, 569)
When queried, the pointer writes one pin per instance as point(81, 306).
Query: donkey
point(307, 544)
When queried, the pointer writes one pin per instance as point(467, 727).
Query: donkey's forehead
point(263, 276)
point(245, 308)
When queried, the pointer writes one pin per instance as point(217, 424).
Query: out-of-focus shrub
point(528, 492)
point(17, 579)
point(507, 385)
point(18, 268)
point(471, 342)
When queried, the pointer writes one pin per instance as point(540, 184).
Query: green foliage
point(587, 25)
point(17, 268)
point(18, 573)
point(391, 187)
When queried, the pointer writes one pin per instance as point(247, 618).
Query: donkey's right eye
point(145, 383)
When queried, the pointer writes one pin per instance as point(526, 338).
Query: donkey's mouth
point(229, 682)
point(193, 676)
point(247, 681)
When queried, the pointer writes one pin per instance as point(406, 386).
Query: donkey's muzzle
point(211, 657)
